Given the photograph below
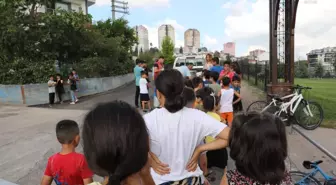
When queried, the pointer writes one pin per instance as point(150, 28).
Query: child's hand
point(193, 162)
point(158, 166)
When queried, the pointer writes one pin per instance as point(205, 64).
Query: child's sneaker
point(72, 103)
point(77, 100)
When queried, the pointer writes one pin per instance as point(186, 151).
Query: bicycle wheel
point(300, 178)
point(257, 106)
point(303, 118)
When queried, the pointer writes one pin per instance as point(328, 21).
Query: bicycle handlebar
point(299, 87)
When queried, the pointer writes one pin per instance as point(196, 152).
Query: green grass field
point(324, 93)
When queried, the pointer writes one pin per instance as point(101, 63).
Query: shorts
point(144, 97)
point(228, 116)
point(217, 158)
point(186, 181)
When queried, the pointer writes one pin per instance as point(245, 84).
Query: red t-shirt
point(69, 169)
point(159, 66)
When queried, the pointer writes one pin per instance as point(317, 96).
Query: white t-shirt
point(184, 71)
point(174, 137)
point(51, 89)
point(143, 86)
point(226, 100)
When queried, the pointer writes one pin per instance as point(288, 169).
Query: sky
point(244, 22)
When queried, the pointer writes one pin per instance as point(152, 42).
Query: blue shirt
point(218, 69)
point(137, 74)
point(185, 71)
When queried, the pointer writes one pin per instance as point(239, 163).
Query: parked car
point(197, 60)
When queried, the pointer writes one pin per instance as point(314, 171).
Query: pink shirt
point(229, 74)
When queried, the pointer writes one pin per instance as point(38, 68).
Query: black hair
point(73, 69)
point(202, 93)
point(115, 141)
point(215, 59)
point(51, 76)
point(258, 145)
point(70, 74)
point(196, 81)
point(161, 57)
point(189, 63)
point(206, 74)
point(143, 73)
point(171, 84)
point(214, 75)
point(66, 131)
point(236, 78)
point(226, 81)
point(209, 102)
point(137, 61)
point(189, 95)
point(227, 63)
point(236, 67)
point(188, 83)
point(58, 75)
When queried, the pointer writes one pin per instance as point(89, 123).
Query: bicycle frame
point(293, 104)
point(316, 170)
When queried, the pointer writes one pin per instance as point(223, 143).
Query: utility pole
point(120, 7)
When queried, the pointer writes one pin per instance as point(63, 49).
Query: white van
point(197, 60)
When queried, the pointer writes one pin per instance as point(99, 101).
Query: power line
point(120, 7)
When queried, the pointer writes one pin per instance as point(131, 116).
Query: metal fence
point(255, 73)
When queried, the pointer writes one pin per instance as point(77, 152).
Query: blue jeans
point(72, 95)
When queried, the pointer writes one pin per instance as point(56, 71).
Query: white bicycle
point(307, 114)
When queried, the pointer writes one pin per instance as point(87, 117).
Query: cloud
point(138, 3)
point(153, 32)
point(315, 24)
point(212, 43)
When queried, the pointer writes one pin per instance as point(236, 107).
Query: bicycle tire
point(262, 103)
point(304, 175)
point(302, 123)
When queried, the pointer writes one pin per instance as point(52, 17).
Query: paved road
point(27, 137)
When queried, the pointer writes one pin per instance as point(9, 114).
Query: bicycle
point(309, 178)
point(296, 108)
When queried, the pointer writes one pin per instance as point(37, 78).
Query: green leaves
point(167, 50)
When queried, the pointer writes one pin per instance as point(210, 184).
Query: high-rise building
point(230, 48)
point(192, 41)
point(142, 34)
point(255, 53)
point(166, 30)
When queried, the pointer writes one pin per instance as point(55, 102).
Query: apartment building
point(230, 48)
point(192, 41)
point(166, 30)
point(142, 34)
point(325, 56)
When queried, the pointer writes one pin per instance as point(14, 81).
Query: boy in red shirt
point(67, 167)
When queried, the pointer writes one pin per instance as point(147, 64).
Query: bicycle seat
point(276, 97)
point(309, 165)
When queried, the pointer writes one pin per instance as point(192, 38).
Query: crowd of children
point(56, 88)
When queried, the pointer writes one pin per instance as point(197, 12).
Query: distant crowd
point(177, 142)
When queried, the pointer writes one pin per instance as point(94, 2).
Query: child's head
point(115, 141)
point(215, 61)
point(202, 93)
point(67, 132)
point(143, 74)
point(258, 145)
point(189, 96)
point(235, 81)
point(214, 76)
point(70, 75)
point(188, 83)
point(206, 74)
point(58, 77)
point(210, 103)
point(226, 81)
point(197, 82)
point(227, 65)
point(51, 77)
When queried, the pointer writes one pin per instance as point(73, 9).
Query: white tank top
point(226, 100)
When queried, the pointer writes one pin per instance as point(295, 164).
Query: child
point(188, 83)
point(214, 85)
point(67, 166)
point(51, 89)
point(206, 78)
point(227, 71)
point(200, 94)
point(237, 106)
point(226, 107)
point(216, 158)
point(59, 88)
point(144, 96)
point(189, 96)
point(73, 88)
point(197, 83)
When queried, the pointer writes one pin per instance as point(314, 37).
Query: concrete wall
point(34, 94)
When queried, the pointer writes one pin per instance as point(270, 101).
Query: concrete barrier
point(35, 94)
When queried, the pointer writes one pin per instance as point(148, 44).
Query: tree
point(181, 50)
point(301, 69)
point(136, 51)
point(319, 70)
point(168, 50)
point(228, 58)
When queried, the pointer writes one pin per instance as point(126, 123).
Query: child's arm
point(46, 180)
point(50, 84)
point(86, 173)
point(239, 97)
